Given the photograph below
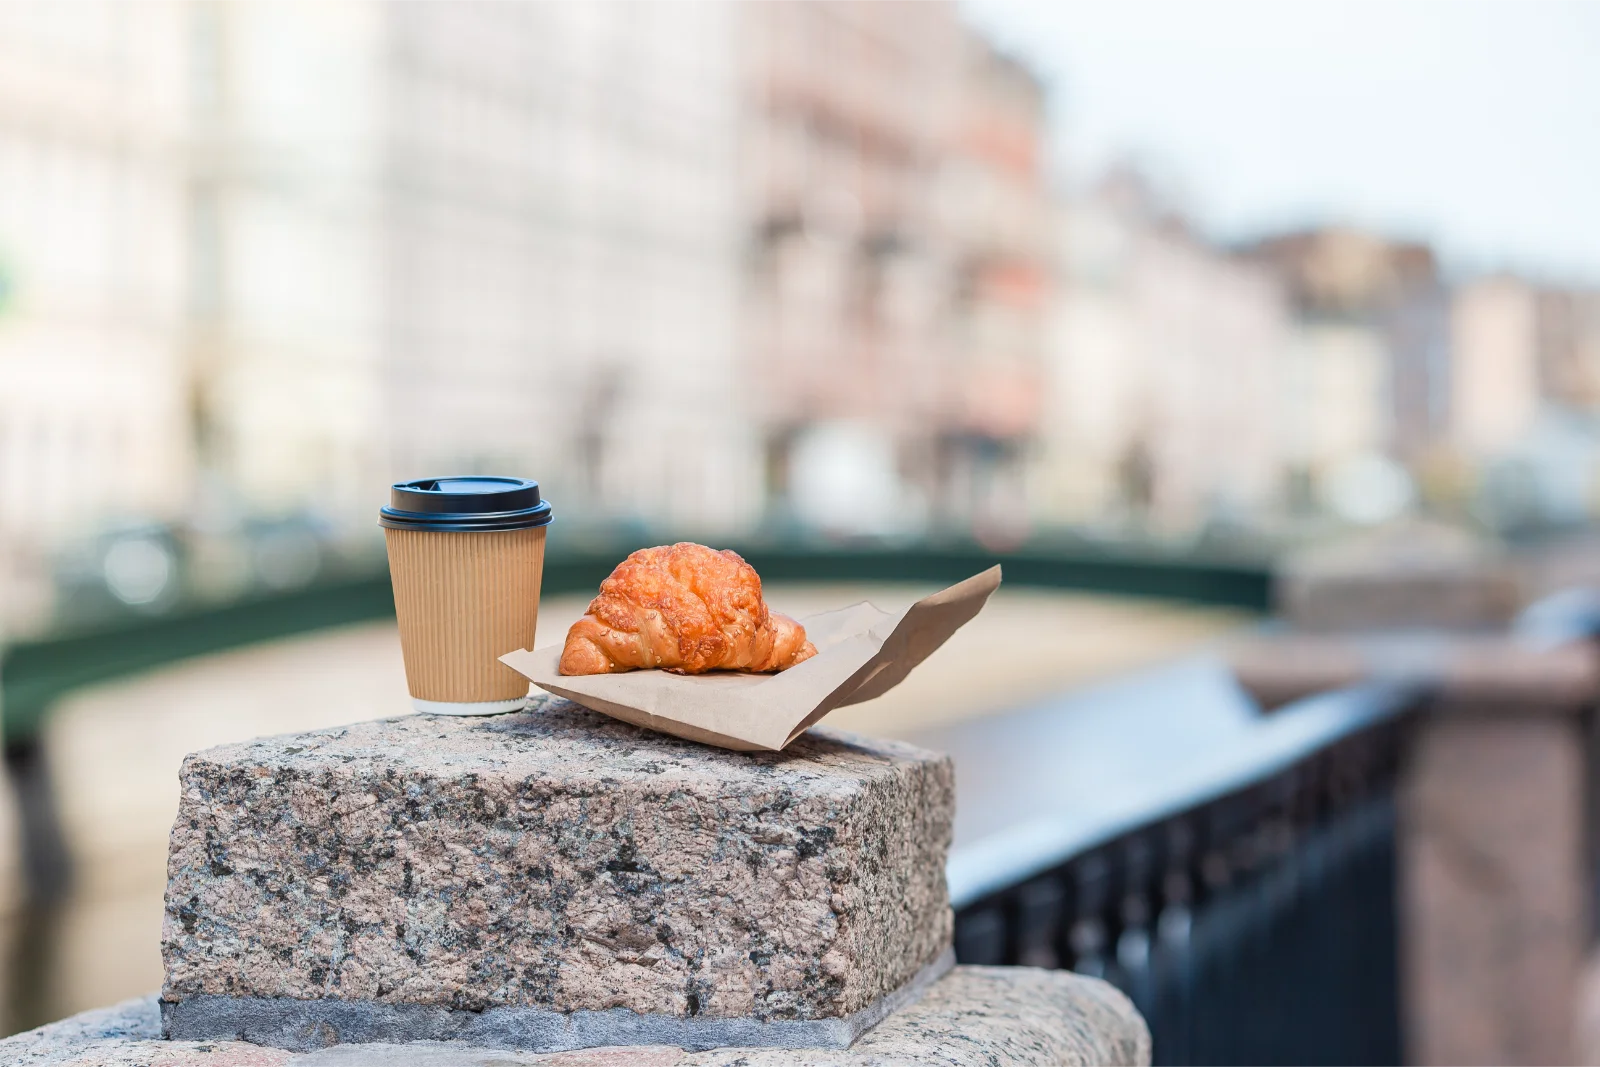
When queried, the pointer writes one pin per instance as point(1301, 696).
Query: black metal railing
point(1248, 911)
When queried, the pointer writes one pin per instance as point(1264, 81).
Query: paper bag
point(862, 652)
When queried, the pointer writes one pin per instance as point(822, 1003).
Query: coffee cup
point(466, 558)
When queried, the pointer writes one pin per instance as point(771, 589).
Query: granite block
point(989, 1016)
point(560, 860)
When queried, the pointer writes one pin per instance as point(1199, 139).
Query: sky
point(1475, 125)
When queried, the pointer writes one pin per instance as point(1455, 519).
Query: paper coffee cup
point(466, 558)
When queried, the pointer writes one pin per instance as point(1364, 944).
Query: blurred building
point(264, 258)
point(843, 135)
point(477, 236)
point(1370, 370)
point(1496, 388)
point(1000, 220)
point(94, 375)
point(895, 200)
point(1163, 402)
point(1335, 404)
point(1527, 399)
point(1569, 347)
point(284, 228)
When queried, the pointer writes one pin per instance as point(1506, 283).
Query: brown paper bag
point(862, 652)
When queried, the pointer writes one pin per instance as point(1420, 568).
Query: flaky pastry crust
point(685, 608)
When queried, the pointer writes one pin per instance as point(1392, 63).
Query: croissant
point(686, 608)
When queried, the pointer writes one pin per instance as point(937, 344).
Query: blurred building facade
point(508, 244)
point(1496, 388)
point(693, 264)
point(1150, 321)
point(262, 259)
point(653, 252)
point(94, 378)
point(1000, 216)
point(896, 205)
point(283, 229)
point(847, 272)
point(1569, 346)
point(1369, 371)
point(1526, 416)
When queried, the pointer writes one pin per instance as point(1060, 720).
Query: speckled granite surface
point(988, 1016)
point(558, 859)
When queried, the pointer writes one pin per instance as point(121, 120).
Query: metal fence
point(1250, 915)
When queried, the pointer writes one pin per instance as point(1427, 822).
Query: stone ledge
point(1461, 672)
point(1416, 573)
point(304, 1025)
point(989, 1016)
point(560, 860)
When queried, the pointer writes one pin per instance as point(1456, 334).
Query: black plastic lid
point(467, 504)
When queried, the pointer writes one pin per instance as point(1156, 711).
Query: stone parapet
point(1495, 875)
point(1458, 672)
point(973, 1017)
point(1411, 574)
